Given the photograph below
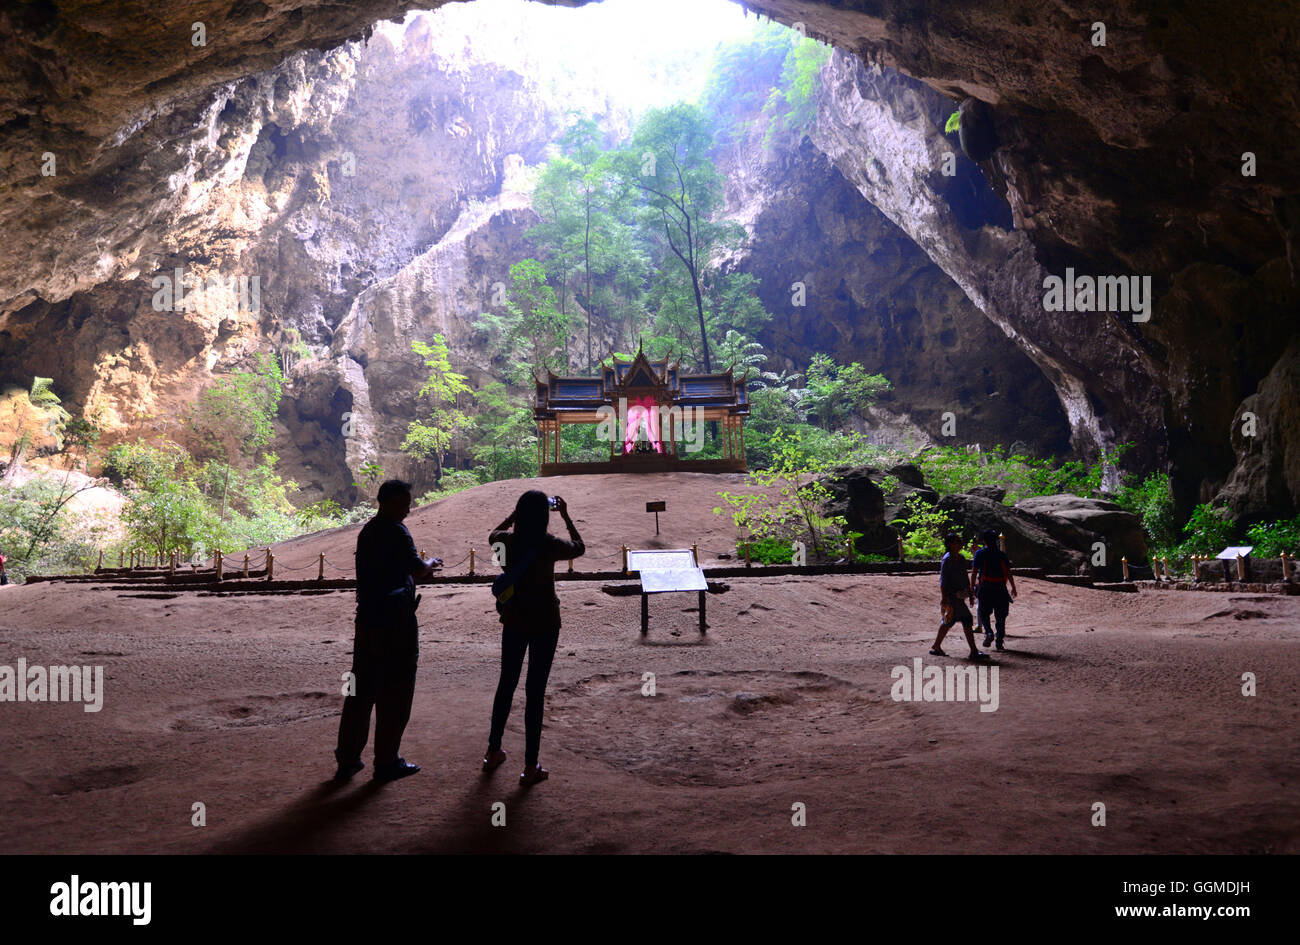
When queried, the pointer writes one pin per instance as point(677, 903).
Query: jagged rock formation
point(872, 295)
point(371, 369)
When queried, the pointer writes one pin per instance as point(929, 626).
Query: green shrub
point(1209, 530)
point(768, 550)
point(1152, 501)
point(923, 528)
point(1272, 538)
point(955, 469)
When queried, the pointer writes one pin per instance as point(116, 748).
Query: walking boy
point(990, 572)
point(955, 591)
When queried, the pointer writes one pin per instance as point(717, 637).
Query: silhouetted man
point(386, 647)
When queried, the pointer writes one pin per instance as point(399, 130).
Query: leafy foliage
point(1152, 500)
point(956, 469)
point(923, 527)
point(791, 503)
point(430, 438)
point(1272, 538)
point(836, 392)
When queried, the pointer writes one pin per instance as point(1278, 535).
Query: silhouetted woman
point(531, 621)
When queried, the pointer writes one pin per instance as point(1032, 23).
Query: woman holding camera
point(530, 619)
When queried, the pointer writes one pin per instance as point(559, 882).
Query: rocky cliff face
point(870, 294)
point(329, 175)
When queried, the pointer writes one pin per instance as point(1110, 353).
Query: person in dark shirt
point(386, 647)
point(990, 573)
point(954, 591)
point(532, 622)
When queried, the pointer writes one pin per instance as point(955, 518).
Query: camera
point(552, 502)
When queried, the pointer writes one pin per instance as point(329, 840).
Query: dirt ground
point(1133, 701)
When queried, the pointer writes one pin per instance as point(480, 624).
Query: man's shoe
point(999, 647)
point(977, 655)
point(394, 770)
point(346, 771)
point(988, 640)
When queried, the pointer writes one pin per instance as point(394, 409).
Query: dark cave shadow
point(702, 641)
point(299, 827)
point(472, 830)
point(1030, 654)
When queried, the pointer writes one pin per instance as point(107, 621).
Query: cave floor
point(1133, 701)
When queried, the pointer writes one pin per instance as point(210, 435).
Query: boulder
point(1080, 522)
point(896, 501)
point(992, 493)
point(909, 474)
point(1029, 543)
point(857, 497)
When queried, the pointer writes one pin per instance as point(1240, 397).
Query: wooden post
point(695, 553)
point(171, 565)
point(270, 565)
point(900, 547)
point(1196, 568)
point(100, 566)
point(218, 562)
point(320, 568)
point(1286, 567)
point(245, 565)
point(1241, 568)
point(747, 564)
point(570, 565)
point(1002, 543)
point(120, 558)
point(471, 562)
point(848, 548)
point(624, 559)
point(1124, 562)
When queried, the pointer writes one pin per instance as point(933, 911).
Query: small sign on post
point(656, 507)
point(1240, 555)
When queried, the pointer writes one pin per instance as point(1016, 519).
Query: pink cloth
point(642, 411)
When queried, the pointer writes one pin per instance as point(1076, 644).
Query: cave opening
point(827, 272)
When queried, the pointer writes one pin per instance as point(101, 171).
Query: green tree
point(430, 438)
point(531, 335)
point(836, 392)
point(668, 162)
point(504, 433)
point(792, 497)
point(233, 419)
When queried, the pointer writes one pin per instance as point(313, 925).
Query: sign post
point(1240, 555)
point(656, 507)
point(664, 571)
